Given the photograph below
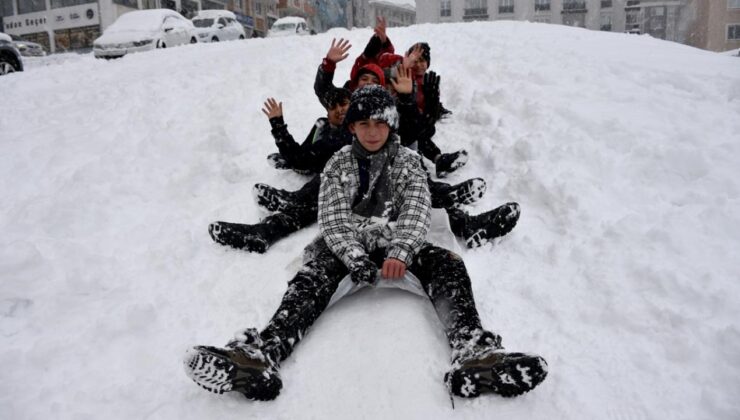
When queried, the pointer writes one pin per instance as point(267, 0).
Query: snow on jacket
point(351, 236)
point(320, 144)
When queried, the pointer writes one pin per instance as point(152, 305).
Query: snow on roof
point(290, 19)
point(406, 4)
point(212, 14)
point(141, 20)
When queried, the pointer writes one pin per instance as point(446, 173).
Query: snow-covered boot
point(241, 367)
point(482, 228)
point(252, 238)
point(450, 162)
point(277, 161)
point(272, 199)
point(482, 366)
point(447, 196)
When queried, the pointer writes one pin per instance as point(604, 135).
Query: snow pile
point(622, 151)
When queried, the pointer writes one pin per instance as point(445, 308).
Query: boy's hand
point(272, 108)
point(339, 50)
point(363, 271)
point(403, 83)
point(379, 29)
point(393, 269)
point(412, 56)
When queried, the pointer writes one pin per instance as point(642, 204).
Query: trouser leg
point(445, 280)
point(308, 295)
point(458, 221)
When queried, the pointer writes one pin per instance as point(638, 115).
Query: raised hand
point(272, 108)
point(412, 56)
point(403, 82)
point(338, 50)
point(379, 29)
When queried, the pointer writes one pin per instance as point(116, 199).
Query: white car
point(143, 30)
point(291, 25)
point(217, 25)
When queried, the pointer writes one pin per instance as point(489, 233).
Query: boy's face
point(367, 79)
point(372, 134)
point(421, 66)
point(336, 114)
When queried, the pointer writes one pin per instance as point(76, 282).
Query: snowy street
point(622, 151)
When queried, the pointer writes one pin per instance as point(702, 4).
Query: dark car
point(10, 57)
point(28, 48)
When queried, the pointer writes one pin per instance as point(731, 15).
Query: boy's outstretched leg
point(479, 363)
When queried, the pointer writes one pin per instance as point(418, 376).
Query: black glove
point(362, 270)
point(432, 106)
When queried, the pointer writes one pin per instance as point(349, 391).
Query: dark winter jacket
point(322, 142)
point(351, 236)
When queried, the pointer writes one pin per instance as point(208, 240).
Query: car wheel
point(6, 66)
point(214, 39)
point(193, 40)
point(241, 36)
point(161, 44)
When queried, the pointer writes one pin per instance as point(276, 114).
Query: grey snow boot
point(482, 366)
point(241, 367)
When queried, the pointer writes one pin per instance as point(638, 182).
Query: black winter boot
point(450, 162)
point(241, 367)
point(481, 365)
point(272, 199)
point(481, 229)
point(252, 238)
point(448, 196)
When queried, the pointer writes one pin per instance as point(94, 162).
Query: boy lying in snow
point(374, 210)
point(298, 209)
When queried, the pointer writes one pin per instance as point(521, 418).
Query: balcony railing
point(632, 3)
point(541, 7)
point(506, 9)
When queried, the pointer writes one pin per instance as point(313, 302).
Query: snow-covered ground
point(622, 150)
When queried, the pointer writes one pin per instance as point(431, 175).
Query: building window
point(541, 5)
point(733, 32)
point(574, 5)
point(506, 6)
point(476, 8)
point(208, 4)
point(128, 3)
point(445, 8)
point(76, 38)
point(7, 8)
point(55, 4)
point(733, 4)
point(30, 6)
point(605, 4)
point(606, 22)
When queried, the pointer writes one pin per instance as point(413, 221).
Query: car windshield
point(137, 22)
point(203, 23)
point(284, 27)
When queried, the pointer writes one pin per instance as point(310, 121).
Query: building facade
point(68, 25)
point(710, 24)
point(362, 13)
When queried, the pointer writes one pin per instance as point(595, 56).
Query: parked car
point(143, 30)
point(291, 25)
point(217, 25)
point(28, 48)
point(10, 57)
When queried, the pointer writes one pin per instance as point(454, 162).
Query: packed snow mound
point(622, 150)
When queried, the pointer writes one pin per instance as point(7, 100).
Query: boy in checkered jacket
point(374, 211)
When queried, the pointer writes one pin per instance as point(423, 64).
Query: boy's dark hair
point(336, 96)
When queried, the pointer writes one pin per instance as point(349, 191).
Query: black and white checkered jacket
point(349, 235)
